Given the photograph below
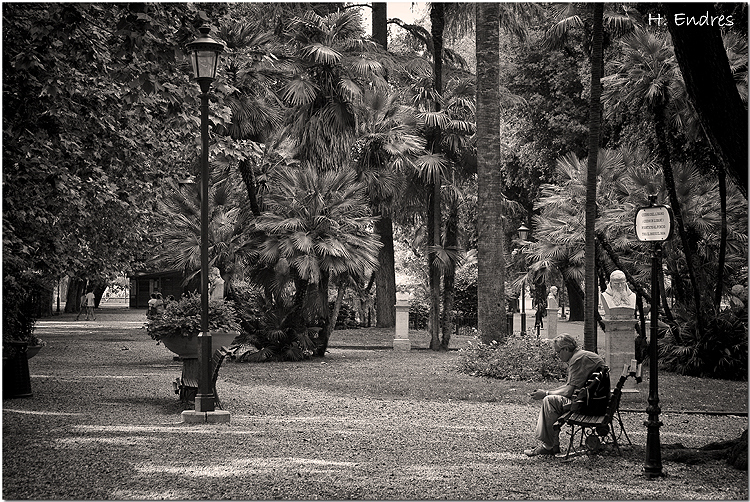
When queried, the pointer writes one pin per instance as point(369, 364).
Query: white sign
point(653, 223)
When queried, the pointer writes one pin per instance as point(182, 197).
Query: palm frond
point(300, 91)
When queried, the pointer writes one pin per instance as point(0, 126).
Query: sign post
point(654, 224)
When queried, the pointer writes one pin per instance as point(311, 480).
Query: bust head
point(618, 289)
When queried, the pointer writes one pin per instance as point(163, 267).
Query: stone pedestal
point(401, 340)
point(619, 342)
point(552, 322)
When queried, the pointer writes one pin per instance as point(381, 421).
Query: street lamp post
point(523, 233)
point(654, 224)
point(204, 56)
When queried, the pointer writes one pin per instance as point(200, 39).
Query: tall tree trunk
point(664, 304)
point(248, 177)
point(662, 154)
point(76, 289)
point(722, 239)
point(704, 65)
point(385, 275)
point(595, 120)
point(434, 219)
point(325, 333)
point(492, 323)
point(337, 305)
point(99, 290)
point(433, 237)
point(380, 23)
point(449, 278)
point(576, 305)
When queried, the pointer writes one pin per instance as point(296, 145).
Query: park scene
point(377, 251)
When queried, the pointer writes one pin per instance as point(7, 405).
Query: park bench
point(186, 386)
point(595, 431)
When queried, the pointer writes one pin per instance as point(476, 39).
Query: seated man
point(557, 401)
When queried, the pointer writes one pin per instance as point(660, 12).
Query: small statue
point(552, 298)
point(215, 285)
point(618, 294)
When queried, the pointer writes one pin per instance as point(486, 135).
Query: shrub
point(250, 304)
point(273, 332)
point(720, 352)
point(519, 357)
point(347, 318)
point(419, 312)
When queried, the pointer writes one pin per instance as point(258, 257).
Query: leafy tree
point(545, 115)
point(84, 129)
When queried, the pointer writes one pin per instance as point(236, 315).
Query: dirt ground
point(104, 424)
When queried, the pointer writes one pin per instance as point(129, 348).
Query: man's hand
point(538, 394)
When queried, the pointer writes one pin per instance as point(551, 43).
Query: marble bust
point(552, 298)
point(618, 295)
point(216, 285)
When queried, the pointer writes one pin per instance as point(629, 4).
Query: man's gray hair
point(565, 341)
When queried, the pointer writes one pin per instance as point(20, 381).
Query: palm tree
point(491, 251)
point(648, 74)
point(317, 226)
point(573, 16)
point(178, 228)
point(491, 242)
point(560, 229)
point(331, 62)
point(595, 121)
point(387, 137)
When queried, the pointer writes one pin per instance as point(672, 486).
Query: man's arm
point(565, 390)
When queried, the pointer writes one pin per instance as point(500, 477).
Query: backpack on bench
point(593, 398)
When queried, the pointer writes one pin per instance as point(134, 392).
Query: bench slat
point(580, 419)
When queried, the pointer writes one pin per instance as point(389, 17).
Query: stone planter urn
point(187, 346)
point(16, 378)
point(32, 350)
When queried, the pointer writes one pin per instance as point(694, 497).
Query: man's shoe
point(542, 450)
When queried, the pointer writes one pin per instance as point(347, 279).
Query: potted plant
point(178, 327)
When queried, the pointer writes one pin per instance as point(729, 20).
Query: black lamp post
point(654, 224)
point(523, 233)
point(204, 56)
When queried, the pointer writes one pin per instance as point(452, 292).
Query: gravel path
point(104, 424)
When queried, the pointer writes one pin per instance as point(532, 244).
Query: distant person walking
point(81, 306)
point(90, 305)
point(540, 313)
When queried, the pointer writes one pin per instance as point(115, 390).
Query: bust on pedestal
point(552, 309)
point(618, 300)
point(619, 337)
